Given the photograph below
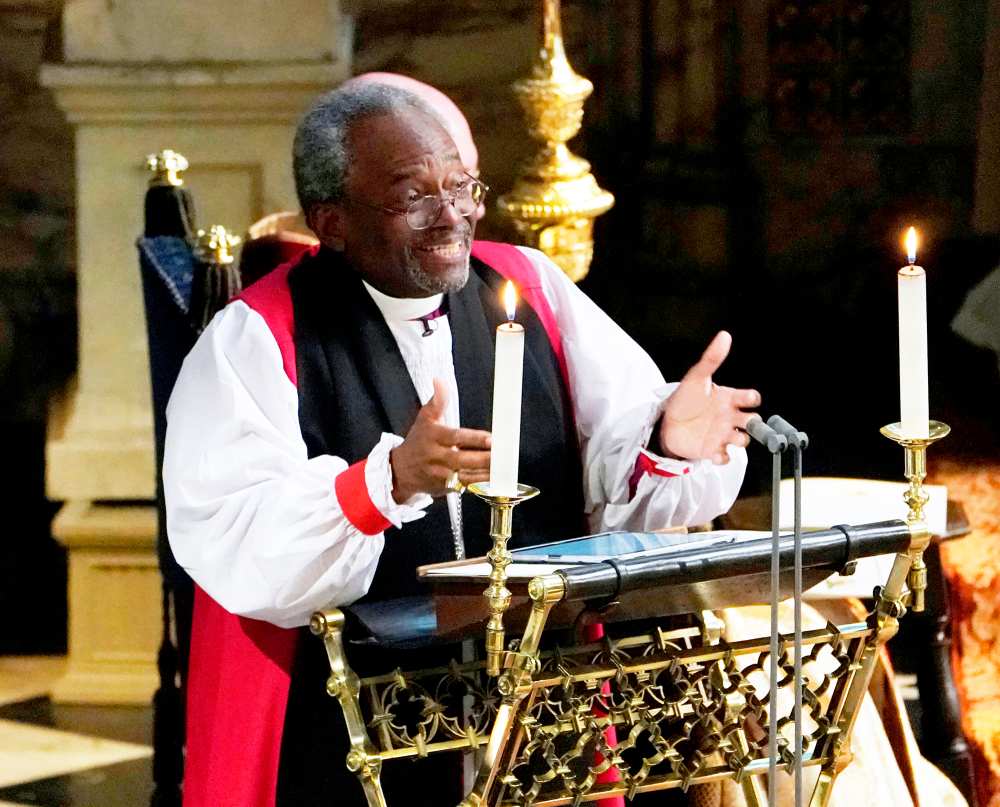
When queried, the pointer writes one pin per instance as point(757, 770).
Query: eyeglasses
point(424, 212)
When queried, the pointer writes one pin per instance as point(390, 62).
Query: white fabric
point(257, 523)
point(977, 321)
point(426, 358)
point(873, 778)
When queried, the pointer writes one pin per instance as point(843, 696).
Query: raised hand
point(431, 451)
point(701, 418)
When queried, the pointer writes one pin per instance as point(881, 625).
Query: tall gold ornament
point(555, 199)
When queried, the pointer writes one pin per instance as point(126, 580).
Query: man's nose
point(449, 215)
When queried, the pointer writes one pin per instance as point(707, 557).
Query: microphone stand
point(799, 441)
point(775, 443)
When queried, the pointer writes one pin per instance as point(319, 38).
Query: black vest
point(353, 385)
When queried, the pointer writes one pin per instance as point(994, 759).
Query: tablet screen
point(600, 546)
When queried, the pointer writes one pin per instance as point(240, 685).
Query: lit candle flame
point(510, 300)
point(911, 245)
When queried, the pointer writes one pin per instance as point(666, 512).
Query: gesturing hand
point(701, 418)
point(423, 462)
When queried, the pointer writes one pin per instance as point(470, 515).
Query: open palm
point(702, 418)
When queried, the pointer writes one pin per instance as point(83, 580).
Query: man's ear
point(326, 219)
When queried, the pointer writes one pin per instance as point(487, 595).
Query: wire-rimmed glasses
point(424, 212)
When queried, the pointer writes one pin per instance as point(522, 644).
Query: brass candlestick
point(915, 469)
point(497, 594)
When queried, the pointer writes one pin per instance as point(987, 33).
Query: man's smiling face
point(396, 159)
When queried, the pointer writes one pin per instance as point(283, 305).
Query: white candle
point(914, 411)
point(507, 377)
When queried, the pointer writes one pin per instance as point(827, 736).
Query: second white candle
point(913, 384)
point(507, 379)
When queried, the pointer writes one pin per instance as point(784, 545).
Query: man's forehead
point(401, 143)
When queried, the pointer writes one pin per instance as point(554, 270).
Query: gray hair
point(320, 158)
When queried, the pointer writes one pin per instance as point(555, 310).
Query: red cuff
point(352, 493)
point(644, 464)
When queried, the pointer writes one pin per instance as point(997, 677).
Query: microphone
point(783, 427)
point(766, 435)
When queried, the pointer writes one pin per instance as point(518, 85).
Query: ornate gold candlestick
point(497, 594)
point(915, 470)
point(555, 199)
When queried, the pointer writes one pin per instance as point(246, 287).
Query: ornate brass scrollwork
point(685, 712)
point(687, 707)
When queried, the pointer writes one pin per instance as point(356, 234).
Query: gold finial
point(166, 167)
point(553, 55)
point(214, 246)
point(555, 199)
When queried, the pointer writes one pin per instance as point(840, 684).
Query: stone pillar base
point(115, 622)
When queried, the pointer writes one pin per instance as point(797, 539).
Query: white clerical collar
point(396, 309)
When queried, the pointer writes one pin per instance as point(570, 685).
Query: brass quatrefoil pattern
point(665, 711)
point(662, 710)
point(429, 710)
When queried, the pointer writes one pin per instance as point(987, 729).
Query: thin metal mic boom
point(799, 441)
point(775, 443)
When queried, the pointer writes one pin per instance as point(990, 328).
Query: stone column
point(223, 82)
